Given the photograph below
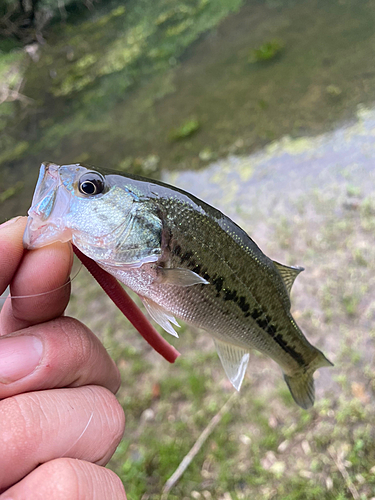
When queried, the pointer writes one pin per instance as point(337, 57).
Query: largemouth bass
point(185, 259)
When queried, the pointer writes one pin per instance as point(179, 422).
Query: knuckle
point(95, 364)
point(80, 339)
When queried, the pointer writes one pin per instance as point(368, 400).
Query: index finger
point(40, 278)
point(11, 249)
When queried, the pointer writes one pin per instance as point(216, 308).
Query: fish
point(185, 259)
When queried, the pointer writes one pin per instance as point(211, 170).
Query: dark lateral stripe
point(230, 295)
point(243, 304)
point(288, 349)
point(197, 269)
point(218, 282)
point(186, 256)
point(263, 321)
point(272, 331)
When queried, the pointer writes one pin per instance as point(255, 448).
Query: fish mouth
point(31, 235)
point(49, 205)
point(37, 236)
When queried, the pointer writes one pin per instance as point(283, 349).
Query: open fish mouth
point(31, 235)
point(38, 236)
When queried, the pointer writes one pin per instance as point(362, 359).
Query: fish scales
point(245, 295)
point(185, 259)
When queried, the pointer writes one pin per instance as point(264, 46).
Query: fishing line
point(64, 454)
point(46, 292)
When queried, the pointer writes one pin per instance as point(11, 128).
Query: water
point(272, 180)
point(109, 89)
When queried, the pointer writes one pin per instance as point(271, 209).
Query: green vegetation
point(88, 68)
point(187, 129)
point(23, 22)
point(268, 51)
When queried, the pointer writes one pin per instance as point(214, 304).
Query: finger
point(67, 479)
point(59, 353)
point(11, 249)
point(85, 423)
point(43, 270)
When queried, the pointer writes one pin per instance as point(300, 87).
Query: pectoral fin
point(161, 316)
point(234, 360)
point(179, 276)
point(288, 274)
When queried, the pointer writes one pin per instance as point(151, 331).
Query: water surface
point(111, 89)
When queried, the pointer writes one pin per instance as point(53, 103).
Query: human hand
point(60, 422)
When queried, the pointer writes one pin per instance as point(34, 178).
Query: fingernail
point(19, 356)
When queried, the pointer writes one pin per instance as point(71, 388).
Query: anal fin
point(161, 316)
point(234, 360)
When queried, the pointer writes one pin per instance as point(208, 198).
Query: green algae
point(187, 129)
point(268, 51)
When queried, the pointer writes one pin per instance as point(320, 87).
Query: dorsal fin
point(288, 274)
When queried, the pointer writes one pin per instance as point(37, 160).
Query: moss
point(268, 51)
point(187, 129)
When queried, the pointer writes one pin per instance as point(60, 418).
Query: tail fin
point(301, 386)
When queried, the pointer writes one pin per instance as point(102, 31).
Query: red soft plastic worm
point(128, 307)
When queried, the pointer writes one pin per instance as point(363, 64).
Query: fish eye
point(91, 183)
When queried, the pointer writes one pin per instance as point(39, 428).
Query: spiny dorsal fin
point(234, 360)
point(288, 274)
